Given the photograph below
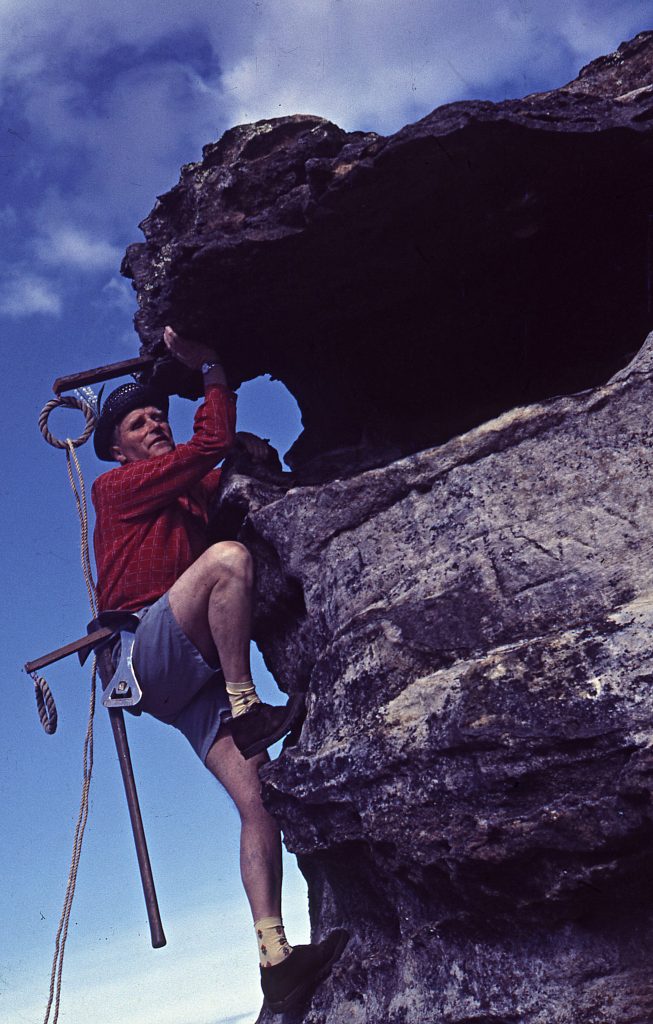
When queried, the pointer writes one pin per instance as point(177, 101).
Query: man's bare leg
point(212, 602)
point(260, 839)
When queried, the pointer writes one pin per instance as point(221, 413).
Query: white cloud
point(118, 294)
point(372, 64)
point(24, 294)
point(104, 103)
point(206, 974)
point(69, 246)
point(198, 978)
point(118, 97)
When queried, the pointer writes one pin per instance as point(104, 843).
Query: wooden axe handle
point(100, 373)
point(73, 648)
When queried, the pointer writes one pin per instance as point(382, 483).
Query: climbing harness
point(120, 686)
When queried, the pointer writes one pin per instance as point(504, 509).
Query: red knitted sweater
point(151, 515)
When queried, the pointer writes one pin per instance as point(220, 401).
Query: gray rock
point(471, 792)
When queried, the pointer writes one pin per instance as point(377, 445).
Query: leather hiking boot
point(288, 984)
point(264, 724)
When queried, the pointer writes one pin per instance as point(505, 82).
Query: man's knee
point(229, 560)
point(251, 809)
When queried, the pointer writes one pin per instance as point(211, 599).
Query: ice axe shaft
point(105, 666)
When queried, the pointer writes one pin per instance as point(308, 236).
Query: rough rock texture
point(410, 287)
point(471, 792)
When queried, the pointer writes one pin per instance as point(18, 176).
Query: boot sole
point(295, 708)
point(304, 990)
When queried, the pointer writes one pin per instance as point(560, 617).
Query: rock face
point(408, 288)
point(471, 792)
point(471, 622)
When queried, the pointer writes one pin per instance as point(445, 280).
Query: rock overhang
point(408, 288)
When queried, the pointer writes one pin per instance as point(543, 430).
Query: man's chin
point(161, 447)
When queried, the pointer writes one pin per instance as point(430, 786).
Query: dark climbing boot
point(264, 724)
point(289, 984)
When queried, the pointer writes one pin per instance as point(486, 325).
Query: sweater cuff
point(227, 392)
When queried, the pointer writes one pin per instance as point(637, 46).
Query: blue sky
point(100, 105)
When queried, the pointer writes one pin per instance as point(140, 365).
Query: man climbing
point(194, 605)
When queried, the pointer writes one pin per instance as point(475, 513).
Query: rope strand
point(45, 705)
point(56, 973)
point(82, 512)
point(45, 701)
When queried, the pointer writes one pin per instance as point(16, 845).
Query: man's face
point(142, 434)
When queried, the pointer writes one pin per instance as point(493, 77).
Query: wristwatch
point(205, 367)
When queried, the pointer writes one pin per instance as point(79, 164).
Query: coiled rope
point(44, 700)
point(45, 705)
point(69, 402)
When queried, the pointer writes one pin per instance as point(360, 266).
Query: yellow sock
point(273, 946)
point(242, 696)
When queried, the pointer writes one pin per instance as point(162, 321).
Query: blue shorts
point(179, 686)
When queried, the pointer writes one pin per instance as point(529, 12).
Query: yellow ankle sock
point(273, 946)
point(242, 696)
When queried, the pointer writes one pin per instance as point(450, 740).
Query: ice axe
point(99, 637)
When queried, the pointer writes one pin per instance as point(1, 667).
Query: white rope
point(79, 492)
point(82, 512)
point(82, 817)
point(68, 402)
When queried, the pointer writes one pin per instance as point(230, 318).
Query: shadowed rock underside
point(408, 288)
